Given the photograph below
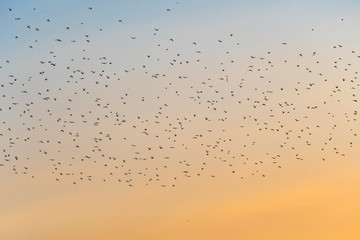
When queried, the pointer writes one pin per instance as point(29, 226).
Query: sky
point(179, 119)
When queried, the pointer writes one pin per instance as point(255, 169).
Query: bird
point(166, 107)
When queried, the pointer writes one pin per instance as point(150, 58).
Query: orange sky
point(299, 203)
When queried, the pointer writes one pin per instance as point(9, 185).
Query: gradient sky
point(296, 178)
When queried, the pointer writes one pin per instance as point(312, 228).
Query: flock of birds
point(175, 113)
